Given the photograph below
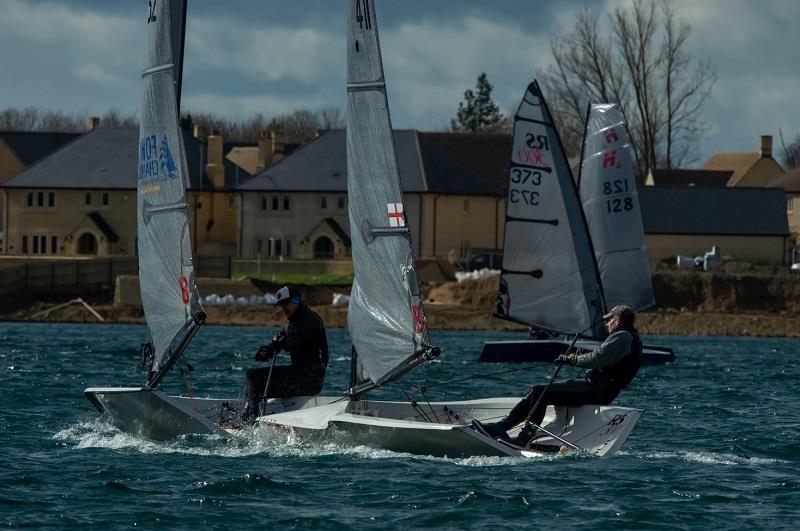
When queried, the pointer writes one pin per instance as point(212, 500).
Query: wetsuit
point(613, 364)
point(304, 338)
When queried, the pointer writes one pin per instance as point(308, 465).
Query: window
point(105, 199)
point(340, 203)
point(54, 244)
point(51, 199)
point(24, 245)
point(278, 247)
point(43, 244)
point(288, 247)
point(40, 199)
point(275, 203)
point(790, 204)
point(466, 205)
point(286, 202)
point(264, 203)
point(87, 199)
point(259, 246)
point(30, 199)
point(35, 245)
point(323, 202)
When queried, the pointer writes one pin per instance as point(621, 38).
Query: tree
point(790, 155)
point(639, 60)
point(478, 113)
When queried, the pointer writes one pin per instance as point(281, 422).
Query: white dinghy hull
point(444, 428)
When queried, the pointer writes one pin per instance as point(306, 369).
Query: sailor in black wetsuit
point(612, 366)
point(303, 337)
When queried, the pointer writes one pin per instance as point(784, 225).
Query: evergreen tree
point(478, 113)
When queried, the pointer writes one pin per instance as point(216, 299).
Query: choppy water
point(718, 445)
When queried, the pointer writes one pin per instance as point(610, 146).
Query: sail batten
point(166, 266)
point(611, 203)
point(385, 317)
point(549, 279)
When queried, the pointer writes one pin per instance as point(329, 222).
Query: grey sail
point(385, 315)
point(611, 204)
point(166, 271)
point(549, 278)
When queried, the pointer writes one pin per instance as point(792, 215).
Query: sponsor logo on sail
point(395, 213)
point(156, 163)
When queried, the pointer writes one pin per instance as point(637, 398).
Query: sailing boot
point(495, 430)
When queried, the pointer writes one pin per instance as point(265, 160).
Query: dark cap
point(624, 313)
point(287, 294)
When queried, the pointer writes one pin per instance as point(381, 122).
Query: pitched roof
point(104, 227)
point(456, 163)
point(683, 177)
point(335, 227)
point(32, 146)
point(789, 181)
point(737, 162)
point(737, 211)
point(466, 163)
point(107, 158)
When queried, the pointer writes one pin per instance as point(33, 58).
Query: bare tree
point(790, 155)
point(639, 61)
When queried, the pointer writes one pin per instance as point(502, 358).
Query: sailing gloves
point(568, 359)
point(266, 352)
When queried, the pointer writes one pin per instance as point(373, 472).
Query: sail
point(385, 315)
point(166, 271)
point(549, 277)
point(611, 204)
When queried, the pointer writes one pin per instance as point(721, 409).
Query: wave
point(259, 440)
point(708, 458)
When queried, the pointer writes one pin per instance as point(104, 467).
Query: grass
point(307, 279)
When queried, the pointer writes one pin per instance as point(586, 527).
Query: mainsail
point(166, 271)
point(549, 278)
point(611, 204)
point(385, 315)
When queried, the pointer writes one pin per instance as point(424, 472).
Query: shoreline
point(441, 317)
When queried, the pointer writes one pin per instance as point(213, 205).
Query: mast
point(549, 278)
point(385, 317)
point(611, 203)
point(166, 266)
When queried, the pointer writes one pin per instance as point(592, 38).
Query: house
point(21, 149)
point(756, 168)
point(81, 199)
point(790, 182)
point(747, 223)
point(454, 188)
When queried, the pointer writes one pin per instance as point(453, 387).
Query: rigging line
point(479, 376)
point(422, 392)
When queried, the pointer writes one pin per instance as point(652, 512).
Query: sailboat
point(386, 318)
point(601, 230)
point(166, 270)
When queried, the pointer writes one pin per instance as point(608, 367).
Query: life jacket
point(615, 378)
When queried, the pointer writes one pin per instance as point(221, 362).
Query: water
point(718, 445)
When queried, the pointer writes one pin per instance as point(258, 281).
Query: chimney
point(214, 166)
point(200, 132)
point(278, 145)
point(766, 146)
point(265, 150)
point(94, 122)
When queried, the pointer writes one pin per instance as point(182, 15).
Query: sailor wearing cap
point(613, 364)
point(303, 337)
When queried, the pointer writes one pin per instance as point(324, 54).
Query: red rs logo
point(610, 159)
point(611, 136)
point(184, 283)
point(419, 319)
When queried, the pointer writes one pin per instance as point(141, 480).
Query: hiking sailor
point(612, 366)
point(303, 337)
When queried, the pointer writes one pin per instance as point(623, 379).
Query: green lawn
point(301, 278)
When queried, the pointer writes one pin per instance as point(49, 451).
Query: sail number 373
point(524, 176)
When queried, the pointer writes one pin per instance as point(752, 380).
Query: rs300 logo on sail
point(156, 163)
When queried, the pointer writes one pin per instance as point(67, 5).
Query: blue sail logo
point(166, 162)
point(156, 163)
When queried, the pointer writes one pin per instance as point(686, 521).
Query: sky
point(248, 56)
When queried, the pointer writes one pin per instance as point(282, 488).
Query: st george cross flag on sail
point(396, 218)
